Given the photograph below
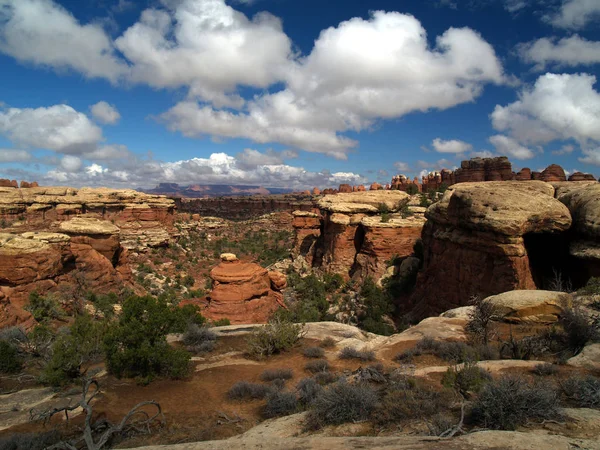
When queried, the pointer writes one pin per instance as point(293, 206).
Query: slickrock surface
point(363, 202)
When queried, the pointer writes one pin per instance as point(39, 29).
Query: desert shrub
point(319, 365)
point(511, 401)
point(412, 189)
point(184, 316)
point(328, 342)
point(276, 336)
point(280, 403)
point(377, 304)
point(277, 374)
point(455, 352)
point(221, 323)
point(325, 378)
point(104, 304)
point(352, 353)
point(74, 351)
point(480, 324)
point(310, 298)
point(40, 340)
point(591, 288)
point(199, 339)
point(409, 399)
point(579, 328)
point(43, 309)
point(308, 390)
point(468, 378)
point(340, 403)
point(313, 352)
point(10, 362)
point(243, 390)
point(136, 345)
point(545, 369)
point(13, 335)
point(30, 441)
point(584, 392)
point(524, 348)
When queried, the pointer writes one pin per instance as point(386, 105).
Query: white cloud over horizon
point(359, 72)
point(105, 113)
point(451, 146)
point(569, 51)
point(575, 14)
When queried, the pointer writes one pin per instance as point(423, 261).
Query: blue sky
point(293, 94)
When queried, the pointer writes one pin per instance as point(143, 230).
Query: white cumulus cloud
point(105, 113)
point(59, 128)
point(451, 146)
point(575, 14)
point(571, 51)
point(507, 146)
point(556, 107)
point(8, 155)
point(44, 33)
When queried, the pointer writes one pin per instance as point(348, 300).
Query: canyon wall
point(486, 238)
point(69, 241)
point(355, 234)
point(244, 208)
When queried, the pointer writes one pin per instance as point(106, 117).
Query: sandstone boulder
point(589, 358)
point(530, 306)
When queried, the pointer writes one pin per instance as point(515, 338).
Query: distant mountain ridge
point(212, 190)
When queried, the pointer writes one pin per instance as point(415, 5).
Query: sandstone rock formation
point(475, 241)
point(351, 238)
point(530, 306)
point(87, 256)
point(583, 201)
point(243, 292)
point(142, 219)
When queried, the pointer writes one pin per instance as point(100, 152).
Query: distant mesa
point(212, 190)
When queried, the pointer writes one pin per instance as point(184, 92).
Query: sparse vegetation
point(136, 345)
point(480, 324)
point(591, 288)
point(340, 403)
point(74, 351)
point(545, 369)
point(243, 390)
point(328, 342)
point(313, 352)
point(352, 353)
point(579, 328)
point(511, 401)
point(199, 339)
point(308, 390)
point(10, 362)
point(276, 336)
point(316, 366)
point(280, 403)
point(455, 352)
point(277, 374)
point(377, 305)
point(43, 309)
point(583, 392)
point(466, 379)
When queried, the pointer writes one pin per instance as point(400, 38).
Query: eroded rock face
point(87, 252)
point(243, 292)
point(351, 237)
point(384, 240)
point(583, 201)
point(143, 220)
point(474, 241)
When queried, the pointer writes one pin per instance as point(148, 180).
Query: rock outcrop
point(530, 306)
point(143, 220)
point(475, 241)
point(356, 233)
point(86, 255)
point(583, 201)
point(242, 292)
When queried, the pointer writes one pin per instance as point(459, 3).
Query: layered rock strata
point(85, 255)
point(356, 233)
point(243, 292)
point(143, 219)
point(475, 241)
